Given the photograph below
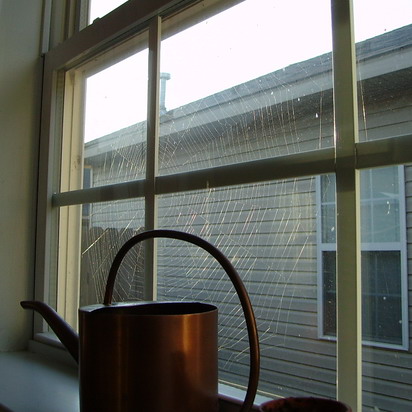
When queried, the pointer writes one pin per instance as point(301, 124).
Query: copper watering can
point(151, 356)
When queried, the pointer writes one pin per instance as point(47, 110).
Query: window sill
point(44, 379)
point(33, 382)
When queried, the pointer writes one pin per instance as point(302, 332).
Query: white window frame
point(345, 160)
point(400, 246)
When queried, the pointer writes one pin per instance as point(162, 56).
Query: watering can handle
point(234, 277)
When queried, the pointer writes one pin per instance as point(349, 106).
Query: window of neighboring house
point(383, 256)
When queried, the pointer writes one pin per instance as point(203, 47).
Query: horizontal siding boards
point(281, 315)
point(382, 124)
point(99, 247)
point(282, 248)
point(275, 195)
point(246, 133)
point(285, 367)
point(386, 114)
point(121, 168)
point(286, 378)
point(284, 372)
point(384, 403)
point(249, 273)
point(120, 214)
point(408, 175)
point(269, 197)
point(235, 226)
point(302, 358)
point(238, 223)
point(280, 290)
point(409, 205)
point(387, 373)
point(387, 379)
point(320, 347)
point(265, 267)
point(393, 396)
point(321, 369)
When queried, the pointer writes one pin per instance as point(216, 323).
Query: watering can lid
point(150, 308)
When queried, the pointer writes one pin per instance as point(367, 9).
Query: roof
point(388, 55)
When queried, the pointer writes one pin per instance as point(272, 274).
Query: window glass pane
point(329, 292)
point(381, 297)
point(328, 195)
point(268, 231)
point(99, 8)
point(328, 224)
point(106, 227)
point(245, 84)
point(115, 121)
point(380, 205)
point(383, 32)
point(380, 182)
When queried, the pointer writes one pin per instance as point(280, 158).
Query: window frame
point(400, 247)
point(345, 160)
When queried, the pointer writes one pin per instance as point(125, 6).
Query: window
point(383, 256)
point(240, 143)
point(99, 8)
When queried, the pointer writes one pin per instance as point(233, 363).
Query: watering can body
point(148, 356)
point(151, 356)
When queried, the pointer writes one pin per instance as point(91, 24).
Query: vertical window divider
point(71, 176)
point(348, 281)
point(47, 216)
point(150, 266)
point(404, 259)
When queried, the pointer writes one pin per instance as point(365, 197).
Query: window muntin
point(382, 256)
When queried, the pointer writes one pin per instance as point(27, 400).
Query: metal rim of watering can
point(234, 277)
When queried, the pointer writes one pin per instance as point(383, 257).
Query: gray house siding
point(268, 230)
point(269, 233)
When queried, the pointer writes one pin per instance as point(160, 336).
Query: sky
point(215, 55)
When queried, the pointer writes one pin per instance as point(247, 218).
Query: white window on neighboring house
point(383, 256)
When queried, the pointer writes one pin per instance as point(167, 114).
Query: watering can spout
point(66, 334)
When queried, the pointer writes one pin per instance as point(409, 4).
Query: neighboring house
point(279, 234)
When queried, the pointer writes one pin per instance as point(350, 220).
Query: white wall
point(20, 81)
